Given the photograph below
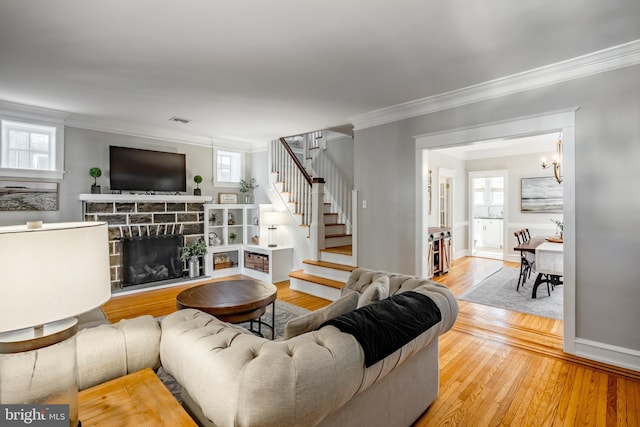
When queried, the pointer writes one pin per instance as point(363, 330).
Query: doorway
point(488, 200)
point(559, 121)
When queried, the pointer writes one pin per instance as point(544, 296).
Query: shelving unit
point(439, 251)
point(241, 254)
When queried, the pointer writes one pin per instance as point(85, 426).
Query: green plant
point(197, 179)
point(95, 172)
point(246, 186)
point(232, 236)
point(558, 224)
point(195, 248)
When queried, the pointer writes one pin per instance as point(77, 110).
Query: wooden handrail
point(304, 172)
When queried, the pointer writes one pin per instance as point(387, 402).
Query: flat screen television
point(133, 169)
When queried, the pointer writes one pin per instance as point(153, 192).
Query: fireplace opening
point(151, 259)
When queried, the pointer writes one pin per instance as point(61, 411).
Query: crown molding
point(141, 131)
point(11, 110)
point(609, 59)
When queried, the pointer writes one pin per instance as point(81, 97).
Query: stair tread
point(300, 274)
point(342, 250)
point(332, 265)
point(337, 235)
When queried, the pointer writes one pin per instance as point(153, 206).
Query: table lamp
point(273, 218)
point(48, 274)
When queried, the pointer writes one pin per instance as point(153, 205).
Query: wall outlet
point(364, 204)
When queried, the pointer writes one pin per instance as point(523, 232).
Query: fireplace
point(147, 259)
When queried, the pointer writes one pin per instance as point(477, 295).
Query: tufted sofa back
point(361, 278)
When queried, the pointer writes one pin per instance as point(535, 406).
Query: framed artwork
point(28, 196)
point(228, 198)
point(541, 195)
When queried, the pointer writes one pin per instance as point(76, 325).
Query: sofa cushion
point(311, 321)
point(376, 291)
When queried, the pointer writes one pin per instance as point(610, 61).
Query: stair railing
point(297, 180)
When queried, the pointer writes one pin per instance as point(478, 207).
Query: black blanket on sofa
point(384, 326)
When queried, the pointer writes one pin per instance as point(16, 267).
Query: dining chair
point(527, 261)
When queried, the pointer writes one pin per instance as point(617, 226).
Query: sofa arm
point(110, 351)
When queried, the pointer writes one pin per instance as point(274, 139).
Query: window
point(31, 142)
point(28, 146)
point(229, 167)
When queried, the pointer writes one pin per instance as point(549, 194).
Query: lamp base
point(273, 237)
point(38, 367)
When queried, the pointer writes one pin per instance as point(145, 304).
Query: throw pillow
point(376, 291)
point(311, 321)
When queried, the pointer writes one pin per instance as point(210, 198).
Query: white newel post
point(317, 217)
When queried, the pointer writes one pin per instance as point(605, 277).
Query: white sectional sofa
point(233, 378)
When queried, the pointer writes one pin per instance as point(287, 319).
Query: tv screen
point(133, 169)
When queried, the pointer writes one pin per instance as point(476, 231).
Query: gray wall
point(607, 205)
point(85, 148)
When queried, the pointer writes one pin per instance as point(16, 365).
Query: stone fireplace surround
point(143, 215)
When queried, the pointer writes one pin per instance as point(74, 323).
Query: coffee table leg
point(273, 320)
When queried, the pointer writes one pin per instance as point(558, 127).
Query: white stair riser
point(332, 242)
point(286, 197)
point(315, 289)
point(326, 272)
point(336, 258)
point(327, 208)
point(334, 229)
point(279, 186)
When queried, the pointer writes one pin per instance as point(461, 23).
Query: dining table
point(549, 260)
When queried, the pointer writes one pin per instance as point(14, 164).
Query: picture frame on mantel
point(228, 198)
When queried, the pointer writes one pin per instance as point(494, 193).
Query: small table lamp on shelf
point(273, 218)
point(49, 274)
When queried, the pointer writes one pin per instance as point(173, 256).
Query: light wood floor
point(497, 367)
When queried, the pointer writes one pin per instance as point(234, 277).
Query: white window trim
point(39, 117)
point(227, 184)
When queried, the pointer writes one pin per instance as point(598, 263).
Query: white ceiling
point(250, 70)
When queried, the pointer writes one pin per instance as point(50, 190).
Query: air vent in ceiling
point(179, 120)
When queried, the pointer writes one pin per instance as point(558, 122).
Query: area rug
point(284, 312)
point(499, 290)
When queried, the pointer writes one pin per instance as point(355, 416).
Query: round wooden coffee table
point(233, 301)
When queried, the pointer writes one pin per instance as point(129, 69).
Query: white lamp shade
point(273, 218)
point(52, 273)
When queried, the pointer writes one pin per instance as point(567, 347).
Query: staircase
point(332, 260)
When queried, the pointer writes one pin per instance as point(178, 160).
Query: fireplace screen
point(151, 259)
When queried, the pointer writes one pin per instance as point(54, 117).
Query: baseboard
point(609, 354)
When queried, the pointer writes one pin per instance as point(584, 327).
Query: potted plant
point(192, 252)
point(560, 226)
point(246, 188)
point(95, 173)
point(197, 191)
point(232, 237)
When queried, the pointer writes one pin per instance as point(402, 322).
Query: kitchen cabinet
point(488, 232)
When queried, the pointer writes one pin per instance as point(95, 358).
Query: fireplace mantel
point(123, 198)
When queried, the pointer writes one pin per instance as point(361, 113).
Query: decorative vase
point(248, 197)
point(194, 267)
point(95, 189)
